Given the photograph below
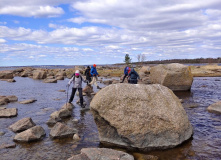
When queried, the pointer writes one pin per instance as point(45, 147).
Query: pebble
point(76, 137)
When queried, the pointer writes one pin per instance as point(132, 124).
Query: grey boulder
point(22, 125)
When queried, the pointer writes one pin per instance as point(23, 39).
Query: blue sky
point(80, 32)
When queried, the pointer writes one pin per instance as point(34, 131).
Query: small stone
point(75, 120)
point(76, 137)
point(2, 133)
point(61, 90)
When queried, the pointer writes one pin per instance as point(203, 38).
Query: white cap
point(77, 71)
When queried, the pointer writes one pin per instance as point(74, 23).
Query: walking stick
point(67, 95)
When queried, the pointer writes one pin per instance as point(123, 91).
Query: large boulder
point(22, 125)
point(101, 154)
point(144, 71)
point(140, 116)
point(215, 108)
point(32, 134)
point(61, 131)
point(174, 76)
point(8, 112)
point(39, 74)
point(6, 75)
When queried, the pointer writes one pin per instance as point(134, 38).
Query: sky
point(80, 32)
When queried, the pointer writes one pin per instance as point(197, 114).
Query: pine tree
point(127, 59)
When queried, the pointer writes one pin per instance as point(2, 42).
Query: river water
point(205, 143)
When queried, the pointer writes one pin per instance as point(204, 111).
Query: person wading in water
point(77, 85)
point(94, 75)
point(87, 73)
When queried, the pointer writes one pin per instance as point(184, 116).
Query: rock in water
point(8, 112)
point(140, 116)
point(32, 134)
point(12, 98)
point(50, 81)
point(28, 101)
point(215, 108)
point(68, 106)
point(39, 74)
point(61, 131)
point(22, 125)
point(101, 154)
point(6, 75)
point(174, 76)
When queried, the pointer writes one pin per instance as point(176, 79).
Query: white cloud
point(35, 11)
point(2, 40)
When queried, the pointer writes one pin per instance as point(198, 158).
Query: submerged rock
point(8, 112)
point(32, 134)
point(61, 131)
point(174, 76)
point(22, 125)
point(28, 101)
point(101, 154)
point(139, 116)
point(50, 81)
point(215, 108)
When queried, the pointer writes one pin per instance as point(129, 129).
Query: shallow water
point(205, 143)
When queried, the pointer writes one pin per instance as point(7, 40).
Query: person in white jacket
point(77, 85)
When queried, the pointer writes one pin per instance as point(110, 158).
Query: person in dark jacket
point(133, 76)
point(77, 85)
point(126, 72)
point(87, 73)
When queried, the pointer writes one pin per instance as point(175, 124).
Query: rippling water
point(205, 143)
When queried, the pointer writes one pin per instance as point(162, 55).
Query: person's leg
point(95, 80)
point(72, 95)
point(124, 78)
point(92, 82)
point(80, 96)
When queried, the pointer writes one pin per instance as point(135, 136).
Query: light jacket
point(77, 82)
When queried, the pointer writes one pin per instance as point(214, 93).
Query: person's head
point(77, 73)
point(88, 67)
point(94, 65)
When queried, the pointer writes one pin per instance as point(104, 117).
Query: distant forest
point(198, 60)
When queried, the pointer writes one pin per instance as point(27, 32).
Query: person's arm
point(137, 75)
point(71, 80)
point(84, 80)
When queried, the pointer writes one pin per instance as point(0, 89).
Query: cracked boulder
point(140, 117)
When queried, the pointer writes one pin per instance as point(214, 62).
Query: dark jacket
point(133, 75)
point(87, 72)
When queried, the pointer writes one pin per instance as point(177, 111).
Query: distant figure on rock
point(126, 72)
point(87, 73)
point(133, 76)
point(94, 75)
point(77, 85)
